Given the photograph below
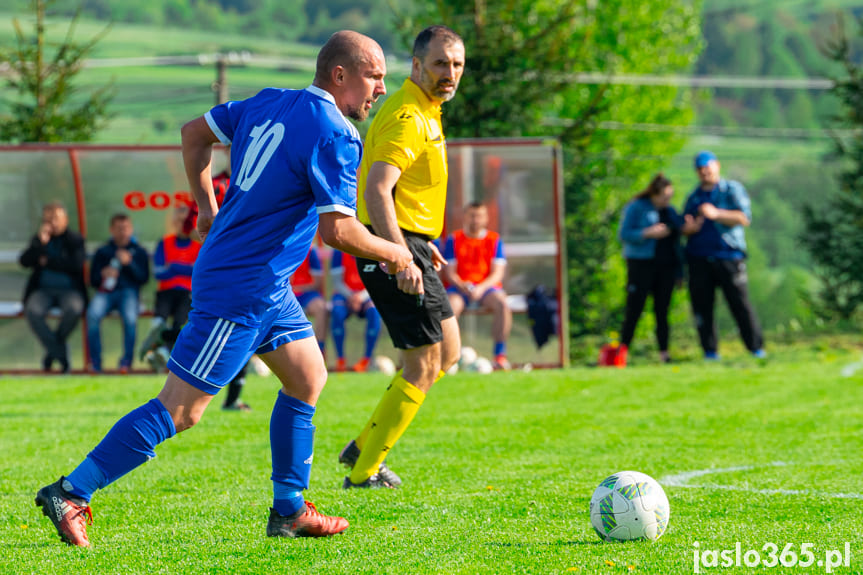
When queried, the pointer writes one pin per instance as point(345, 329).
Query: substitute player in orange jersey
point(176, 265)
point(173, 262)
point(308, 285)
point(351, 298)
point(474, 272)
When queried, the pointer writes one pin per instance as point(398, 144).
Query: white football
point(629, 505)
point(158, 359)
point(468, 357)
point(260, 367)
point(384, 365)
point(482, 365)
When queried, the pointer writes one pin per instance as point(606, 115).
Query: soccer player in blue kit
point(296, 159)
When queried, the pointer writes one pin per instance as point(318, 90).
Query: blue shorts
point(467, 302)
point(308, 297)
point(210, 351)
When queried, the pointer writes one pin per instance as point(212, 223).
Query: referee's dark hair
point(421, 44)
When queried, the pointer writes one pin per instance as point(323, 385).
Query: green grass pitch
point(498, 473)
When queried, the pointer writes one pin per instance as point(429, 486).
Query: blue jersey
point(294, 156)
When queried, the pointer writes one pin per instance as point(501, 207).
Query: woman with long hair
point(650, 232)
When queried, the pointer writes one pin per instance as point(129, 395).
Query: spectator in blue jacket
point(118, 270)
point(716, 255)
point(650, 231)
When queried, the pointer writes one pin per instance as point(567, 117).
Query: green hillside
point(769, 39)
point(760, 38)
point(152, 102)
point(803, 8)
point(134, 40)
point(291, 20)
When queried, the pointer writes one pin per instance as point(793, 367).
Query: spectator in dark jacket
point(118, 270)
point(650, 231)
point(56, 256)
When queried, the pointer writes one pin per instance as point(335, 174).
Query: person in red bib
point(221, 184)
point(351, 298)
point(475, 268)
point(173, 260)
point(307, 284)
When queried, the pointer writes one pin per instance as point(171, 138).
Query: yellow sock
point(393, 415)
point(361, 439)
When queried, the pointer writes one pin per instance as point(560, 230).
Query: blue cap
point(704, 158)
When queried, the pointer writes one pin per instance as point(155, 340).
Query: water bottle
point(110, 282)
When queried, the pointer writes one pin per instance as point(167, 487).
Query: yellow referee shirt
point(407, 133)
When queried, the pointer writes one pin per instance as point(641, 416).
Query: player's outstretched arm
point(347, 234)
point(198, 140)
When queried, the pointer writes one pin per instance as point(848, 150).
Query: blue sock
point(337, 326)
point(85, 480)
point(131, 442)
point(499, 348)
point(373, 328)
point(292, 438)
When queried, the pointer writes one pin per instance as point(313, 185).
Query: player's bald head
point(348, 49)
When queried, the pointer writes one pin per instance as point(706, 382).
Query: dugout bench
point(14, 310)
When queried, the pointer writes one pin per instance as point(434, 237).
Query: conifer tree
point(833, 231)
point(46, 106)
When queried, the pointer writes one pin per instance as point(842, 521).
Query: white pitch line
point(776, 491)
point(852, 368)
point(682, 480)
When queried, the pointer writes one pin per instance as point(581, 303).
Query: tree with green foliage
point(769, 114)
point(771, 38)
point(801, 111)
point(45, 109)
point(520, 80)
point(833, 232)
point(778, 201)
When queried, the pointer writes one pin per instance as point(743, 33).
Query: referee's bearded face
point(364, 85)
point(439, 72)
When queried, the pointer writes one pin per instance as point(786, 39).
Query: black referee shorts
point(412, 320)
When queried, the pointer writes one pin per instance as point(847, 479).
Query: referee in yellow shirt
point(401, 196)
